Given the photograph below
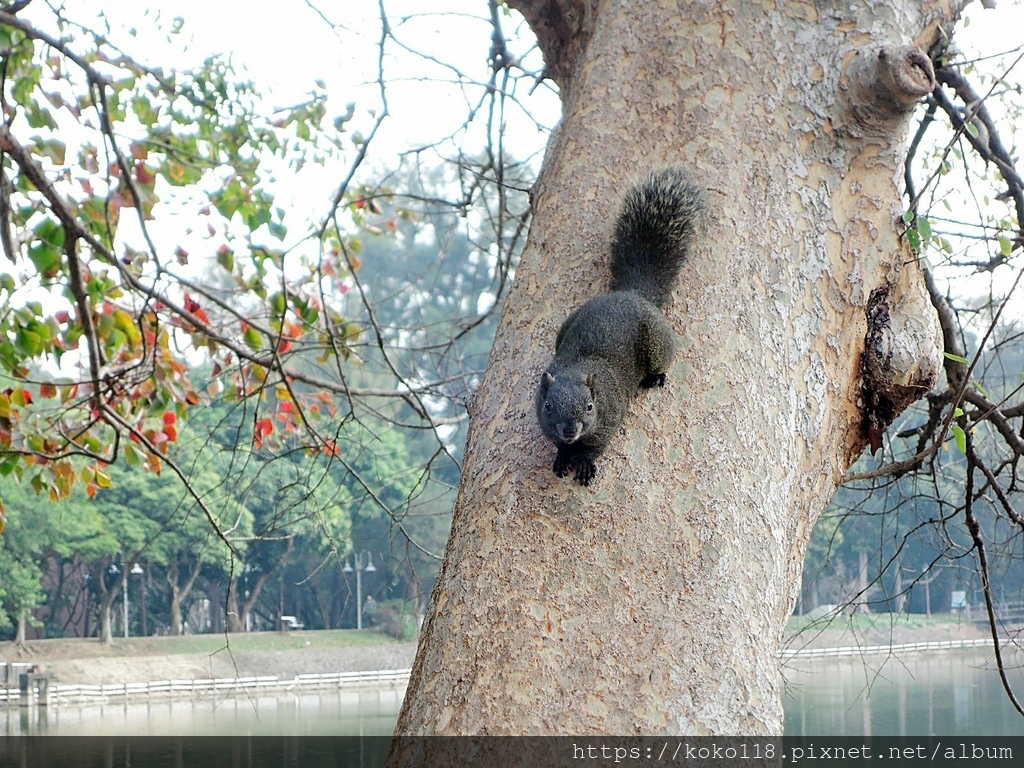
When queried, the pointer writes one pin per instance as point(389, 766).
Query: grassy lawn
point(83, 648)
point(866, 621)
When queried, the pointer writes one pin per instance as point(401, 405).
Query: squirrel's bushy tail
point(653, 236)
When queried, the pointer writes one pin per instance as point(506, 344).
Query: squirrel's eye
point(590, 405)
point(547, 405)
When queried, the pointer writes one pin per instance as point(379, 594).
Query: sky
point(293, 49)
point(291, 54)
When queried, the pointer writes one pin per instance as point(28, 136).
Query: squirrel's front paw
point(586, 471)
point(653, 380)
point(562, 465)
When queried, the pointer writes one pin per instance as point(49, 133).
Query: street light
point(135, 571)
point(360, 567)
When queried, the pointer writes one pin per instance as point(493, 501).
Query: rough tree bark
point(654, 601)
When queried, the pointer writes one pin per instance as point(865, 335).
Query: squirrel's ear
point(546, 380)
point(592, 382)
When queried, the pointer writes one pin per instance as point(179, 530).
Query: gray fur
point(620, 341)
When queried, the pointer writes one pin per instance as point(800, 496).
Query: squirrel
point(619, 342)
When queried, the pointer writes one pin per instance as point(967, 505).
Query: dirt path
point(284, 664)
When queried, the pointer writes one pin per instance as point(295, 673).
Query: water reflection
point(941, 693)
point(336, 713)
point(935, 694)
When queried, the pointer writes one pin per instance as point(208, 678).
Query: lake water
point(955, 693)
point(946, 693)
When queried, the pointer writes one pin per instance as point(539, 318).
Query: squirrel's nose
point(570, 431)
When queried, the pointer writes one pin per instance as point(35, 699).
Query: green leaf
point(103, 479)
point(253, 337)
point(278, 303)
point(45, 258)
point(226, 258)
point(914, 237)
point(40, 118)
point(54, 149)
point(144, 110)
point(1005, 245)
point(51, 232)
point(27, 342)
point(924, 227)
point(181, 174)
point(956, 358)
point(961, 438)
point(280, 231)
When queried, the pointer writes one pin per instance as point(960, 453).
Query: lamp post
point(114, 570)
point(359, 568)
point(135, 571)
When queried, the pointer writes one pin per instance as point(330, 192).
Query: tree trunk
point(106, 630)
point(655, 600)
point(106, 602)
point(234, 613)
point(21, 637)
point(178, 594)
point(143, 613)
point(254, 595)
point(176, 620)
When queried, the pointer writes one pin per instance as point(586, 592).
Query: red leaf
point(264, 427)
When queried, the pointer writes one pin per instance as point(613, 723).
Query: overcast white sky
point(288, 48)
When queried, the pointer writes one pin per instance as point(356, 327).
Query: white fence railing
point(389, 678)
point(893, 648)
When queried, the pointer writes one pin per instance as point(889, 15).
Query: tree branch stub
point(886, 82)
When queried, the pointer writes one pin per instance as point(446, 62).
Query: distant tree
point(155, 275)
